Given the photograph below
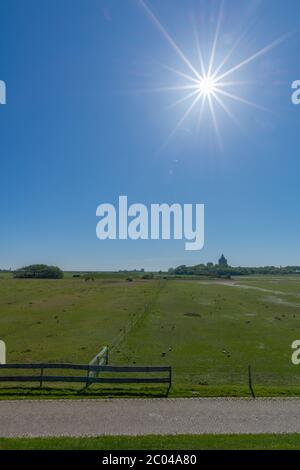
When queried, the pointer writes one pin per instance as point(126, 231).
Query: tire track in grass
point(131, 324)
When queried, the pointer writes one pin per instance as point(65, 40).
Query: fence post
point(106, 356)
point(42, 373)
point(88, 377)
point(170, 381)
point(250, 382)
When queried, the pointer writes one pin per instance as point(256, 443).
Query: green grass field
point(204, 442)
point(209, 331)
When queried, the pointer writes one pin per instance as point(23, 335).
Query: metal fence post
point(42, 373)
point(250, 381)
point(170, 381)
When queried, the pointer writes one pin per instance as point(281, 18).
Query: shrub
point(39, 271)
point(148, 276)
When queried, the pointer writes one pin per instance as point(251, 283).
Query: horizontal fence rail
point(89, 379)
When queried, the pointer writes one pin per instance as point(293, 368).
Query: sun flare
point(208, 84)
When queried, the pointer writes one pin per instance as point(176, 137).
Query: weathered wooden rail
point(89, 378)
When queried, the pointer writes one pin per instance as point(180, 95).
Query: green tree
point(39, 271)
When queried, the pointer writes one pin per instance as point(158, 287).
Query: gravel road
point(148, 416)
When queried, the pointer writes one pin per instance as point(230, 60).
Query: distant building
point(223, 261)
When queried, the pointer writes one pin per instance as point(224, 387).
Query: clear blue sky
point(82, 127)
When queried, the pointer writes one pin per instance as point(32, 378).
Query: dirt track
point(153, 416)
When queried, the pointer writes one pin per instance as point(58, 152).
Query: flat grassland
point(209, 331)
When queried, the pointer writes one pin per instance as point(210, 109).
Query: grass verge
point(32, 393)
point(180, 442)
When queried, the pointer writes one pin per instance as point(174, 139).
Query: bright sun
point(207, 86)
point(204, 84)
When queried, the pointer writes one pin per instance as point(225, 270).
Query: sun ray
point(167, 36)
point(215, 122)
point(259, 53)
point(183, 99)
point(227, 56)
point(226, 109)
point(169, 88)
point(241, 100)
point(216, 37)
point(181, 74)
point(185, 116)
point(202, 109)
point(234, 83)
point(199, 52)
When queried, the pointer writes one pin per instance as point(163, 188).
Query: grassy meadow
point(209, 331)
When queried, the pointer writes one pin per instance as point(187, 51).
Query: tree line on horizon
point(223, 269)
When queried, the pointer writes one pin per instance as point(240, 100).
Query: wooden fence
point(91, 375)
